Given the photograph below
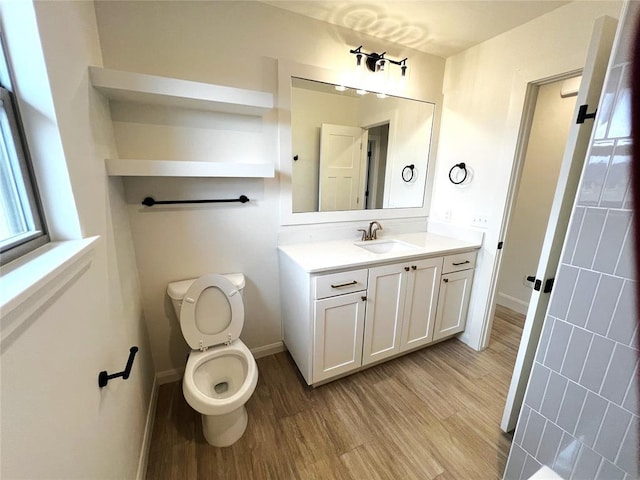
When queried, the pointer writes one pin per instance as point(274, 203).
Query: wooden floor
point(431, 414)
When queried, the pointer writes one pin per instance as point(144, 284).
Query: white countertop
point(338, 254)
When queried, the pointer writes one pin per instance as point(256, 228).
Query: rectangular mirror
point(355, 150)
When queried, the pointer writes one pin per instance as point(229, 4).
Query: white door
point(570, 171)
point(421, 301)
point(343, 155)
point(385, 309)
point(339, 322)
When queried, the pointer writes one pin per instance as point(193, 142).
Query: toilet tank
point(177, 290)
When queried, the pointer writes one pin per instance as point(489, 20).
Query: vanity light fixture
point(376, 62)
point(340, 88)
point(361, 92)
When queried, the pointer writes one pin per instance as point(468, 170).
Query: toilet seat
point(207, 327)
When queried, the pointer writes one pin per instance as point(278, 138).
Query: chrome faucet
point(372, 234)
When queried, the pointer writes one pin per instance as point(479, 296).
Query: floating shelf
point(179, 168)
point(152, 89)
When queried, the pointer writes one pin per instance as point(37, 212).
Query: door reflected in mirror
point(350, 149)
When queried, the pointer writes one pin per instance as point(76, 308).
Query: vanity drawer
point(339, 283)
point(461, 261)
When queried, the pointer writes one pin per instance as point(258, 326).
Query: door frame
point(524, 132)
point(578, 146)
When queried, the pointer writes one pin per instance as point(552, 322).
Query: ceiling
point(438, 27)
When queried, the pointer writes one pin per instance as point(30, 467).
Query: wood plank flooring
point(432, 414)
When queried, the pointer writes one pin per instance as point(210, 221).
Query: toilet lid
point(212, 312)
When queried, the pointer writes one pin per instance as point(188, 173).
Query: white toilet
point(221, 374)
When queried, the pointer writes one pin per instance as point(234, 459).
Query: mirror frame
point(288, 69)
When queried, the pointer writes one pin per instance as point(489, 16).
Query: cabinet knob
point(445, 280)
point(406, 269)
point(364, 298)
point(414, 267)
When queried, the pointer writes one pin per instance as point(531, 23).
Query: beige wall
point(549, 129)
point(56, 422)
point(484, 92)
point(236, 44)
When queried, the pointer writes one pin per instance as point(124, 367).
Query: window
point(22, 226)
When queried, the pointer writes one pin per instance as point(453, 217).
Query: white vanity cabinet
point(455, 290)
point(338, 320)
point(401, 307)
point(338, 313)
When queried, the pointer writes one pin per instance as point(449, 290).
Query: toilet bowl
point(221, 373)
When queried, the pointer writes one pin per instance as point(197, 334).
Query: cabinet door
point(338, 329)
point(453, 303)
point(421, 300)
point(385, 310)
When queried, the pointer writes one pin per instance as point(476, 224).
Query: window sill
point(31, 281)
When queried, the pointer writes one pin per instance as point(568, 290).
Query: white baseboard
point(267, 350)
point(143, 462)
point(169, 376)
point(513, 303)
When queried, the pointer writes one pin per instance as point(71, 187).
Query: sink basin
point(385, 246)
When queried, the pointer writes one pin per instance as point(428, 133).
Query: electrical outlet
point(447, 216)
point(480, 220)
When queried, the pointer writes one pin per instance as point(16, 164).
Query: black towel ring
point(411, 169)
point(462, 167)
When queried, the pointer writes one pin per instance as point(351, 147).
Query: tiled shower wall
point(580, 412)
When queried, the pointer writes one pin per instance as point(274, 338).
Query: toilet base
point(225, 430)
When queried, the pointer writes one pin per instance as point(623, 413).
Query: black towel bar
point(104, 377)
point(150, 201)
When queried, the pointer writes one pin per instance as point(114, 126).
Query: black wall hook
point(104, 377)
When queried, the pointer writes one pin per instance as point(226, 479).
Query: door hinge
point(537, 285)
point(583, 115)
point(500, 244)
point(548, 285)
